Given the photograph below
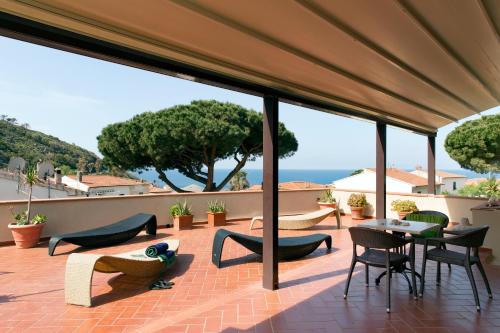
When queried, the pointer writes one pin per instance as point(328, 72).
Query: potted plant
point(181, 213)
point(403, 207)
point(357, 202)
point(216, 214)
point(327, 201)
point(26, 230)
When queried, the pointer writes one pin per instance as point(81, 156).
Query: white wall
point(119, 190)
point(366, 181)
point(448, 184)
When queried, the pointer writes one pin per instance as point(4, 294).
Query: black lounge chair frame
point(288, 247)
point(109, 235)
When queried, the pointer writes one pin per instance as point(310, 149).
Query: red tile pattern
point(230, 299)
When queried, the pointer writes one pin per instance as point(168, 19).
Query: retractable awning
point(418, 64)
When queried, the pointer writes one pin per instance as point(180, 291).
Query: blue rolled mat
point(155, 250)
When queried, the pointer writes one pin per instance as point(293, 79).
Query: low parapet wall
point(75, 214)
point(455, 207)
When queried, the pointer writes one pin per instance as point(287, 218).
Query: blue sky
point(73, 97)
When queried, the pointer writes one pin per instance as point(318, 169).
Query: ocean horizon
point(254, 176)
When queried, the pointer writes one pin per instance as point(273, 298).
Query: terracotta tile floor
point(230, 299)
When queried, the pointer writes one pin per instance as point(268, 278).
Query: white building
point(102, 185)
point(451, 182)
point(397, 180)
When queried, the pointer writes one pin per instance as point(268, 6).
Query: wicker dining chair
point(378, 245)
point(430, 216)
point(471, 240)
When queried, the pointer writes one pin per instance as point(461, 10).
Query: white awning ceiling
point(419, 63)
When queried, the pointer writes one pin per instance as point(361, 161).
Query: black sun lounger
point(288, 247)
point(112, 234)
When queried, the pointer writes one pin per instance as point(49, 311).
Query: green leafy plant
point(180, 209)
point(357, 200)
point(404, 206)
point(485, 189)
point(39, 218)
point(23, 218)
point(216, 207)
point(327, 197)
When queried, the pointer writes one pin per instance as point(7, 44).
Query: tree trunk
point(167, 181)
point(29, 203)
point(210, 186)
point(238, 167)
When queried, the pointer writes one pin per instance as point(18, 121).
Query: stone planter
point(184, 222)
point(26, 236)
point(323, 205)
point(216, 219)
point(357, 213)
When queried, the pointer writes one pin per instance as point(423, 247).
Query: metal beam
point(380, 164)
point(270, 195)
point(426, 28)
point(431, 164)
point(237, 26)
point(380, 51)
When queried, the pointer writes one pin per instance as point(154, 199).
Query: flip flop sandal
point(161, 284)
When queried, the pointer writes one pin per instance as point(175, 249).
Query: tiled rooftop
point(231, 299)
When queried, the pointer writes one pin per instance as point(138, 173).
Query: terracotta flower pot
point(323, 205)
point(402, 215)
point(216, 219)
point(357, 213)
point(184, 222)
point(26, 236)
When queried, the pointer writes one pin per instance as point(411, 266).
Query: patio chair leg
point(422, 276)
point(438, 274)
point(473, 284)
point(449, 265)
point(483, 274)
point(388, 284)
point(351, 269)
point(367, 275)
point(413, 278)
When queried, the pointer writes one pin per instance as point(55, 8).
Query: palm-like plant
point(239, 181)
point(30, 179)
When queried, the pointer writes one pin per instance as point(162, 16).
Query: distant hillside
point(16, 140)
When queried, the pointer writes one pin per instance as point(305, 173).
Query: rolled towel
point(155, 250)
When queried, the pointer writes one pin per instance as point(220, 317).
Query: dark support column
point(380, 169)
point(431, 164)
point(270, 204)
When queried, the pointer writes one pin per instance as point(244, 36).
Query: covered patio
point(231, 299)
point(410, 64)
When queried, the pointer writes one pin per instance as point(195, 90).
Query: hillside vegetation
point(19, 140)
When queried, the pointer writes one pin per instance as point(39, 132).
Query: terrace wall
point(75, 214)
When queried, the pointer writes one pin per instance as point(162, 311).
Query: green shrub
point(404, 206)
point(357, 200)
point(180, 209)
